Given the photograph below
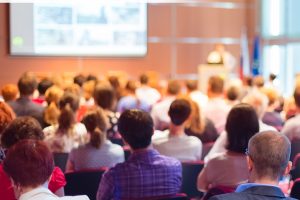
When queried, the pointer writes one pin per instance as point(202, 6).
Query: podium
point(205, 71)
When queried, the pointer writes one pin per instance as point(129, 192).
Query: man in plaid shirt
point(146, 173)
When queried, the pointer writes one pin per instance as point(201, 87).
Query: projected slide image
point(126, 15)
point(129, 38)
point(93, 37)
point(85, 16)
point(54, 15)
point(54, 37)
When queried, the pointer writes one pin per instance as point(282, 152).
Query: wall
point(170, 52)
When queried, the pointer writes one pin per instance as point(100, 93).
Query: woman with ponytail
point(67, 134)
point(98, 152)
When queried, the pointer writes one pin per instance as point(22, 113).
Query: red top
point(56, 182)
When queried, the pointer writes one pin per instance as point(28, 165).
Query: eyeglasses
point(247, 152)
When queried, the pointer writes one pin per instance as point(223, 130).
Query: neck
point(176, 130)
point(140, 150)
point(262, 180)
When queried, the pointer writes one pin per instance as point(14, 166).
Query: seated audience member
point(42, 87)
point(115, 83)
point(24, 106)
point(79, 80)
point(88, 90)
point(268, 160)
point(98, 152)
point(291, 127)
point(174, 142)
point(130, 100)
point(259, 102)
point(105, 97)
point(195, 94)
point(233, 95)
point(19, 129)
point(147, 93)
point(9, 92)
point(146, 173)
point(230, 168)
point(160, 110)
point(200, 126)
point(37, 165)
point(68, 133)
point(258, 82)
point(271, 117)
point(216, 108)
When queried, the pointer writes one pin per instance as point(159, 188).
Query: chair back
point(190, 172)
point(295, 191)
point(295, 148)
point(218, 190)
point(206, 148)
point(83, 183)
point(60, 160)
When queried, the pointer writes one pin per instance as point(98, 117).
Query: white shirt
point(159, 113)
point(220, 144)
point(147, 94)
point(182, 147)
point(42, 193)
point(200, 98)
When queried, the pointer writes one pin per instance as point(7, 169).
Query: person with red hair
point(37, 165)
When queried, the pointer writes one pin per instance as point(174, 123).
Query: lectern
point(205, 71)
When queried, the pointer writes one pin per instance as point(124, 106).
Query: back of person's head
point(53, 94)
point(272, 77)
point(9, 92)
point(248, 81)
point(259, 81)
point(297, 96)
point(91, 77)
point(69, 99)
point(73, 88)
point(258, 101)
point(19, 129)
point(173, 87)
point(191, 85)
point(131, 86)
point(179, 111)
point(105, 96)
point(241, 125)
point(51, 114)
point(43, 85)
point(27, 84)
point(136, 128)
point(144, 79)
point(216, 84)
point(114, 81)
point(271, 94)
point(96, 124)
point(6, 116)
point(29, 163)
point(270, 152)
point(88, 89)
point(233, 93)
point(79, 79)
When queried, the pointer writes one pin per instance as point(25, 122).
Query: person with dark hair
point(146, 92)
point(68, 133)
point(268, 157)
point(130, 100)
point(291, 127)
point(146, 173)
point(105, 97)
point(216, 108)
point(24, 106)
point(241, 125)
point(37, 165)
point(98, 152)
point(174, 142)
point(20, 129)
point(42, 87)
point(160, 110)
point(233, 95)
point(79, 80)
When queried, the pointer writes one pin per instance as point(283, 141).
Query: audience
point(98, 152)
point(160, 110)
point(19, 129)
point(147, 93)
point(216, 108)
point(195, 94)
point(267, 160)
point(241, 125)
point(174, 142)
point(68, 133)
point(9, 92)
point(42, 87)
point(37, 163)
point(146, 173)
point(24, 106)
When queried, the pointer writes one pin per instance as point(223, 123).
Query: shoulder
point(229, 196)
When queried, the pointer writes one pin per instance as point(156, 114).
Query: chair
point(295, 191)
point(218, 190)
point(206, 148)
point(295, 172)
point(295, 148)
point(190, 172)
point(83, 182)
point(60, 160)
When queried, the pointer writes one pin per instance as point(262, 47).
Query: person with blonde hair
point(98, 152)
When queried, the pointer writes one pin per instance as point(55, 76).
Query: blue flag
point(256, 55)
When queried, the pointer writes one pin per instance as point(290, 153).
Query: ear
point(288, 168)
point(250, 164)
